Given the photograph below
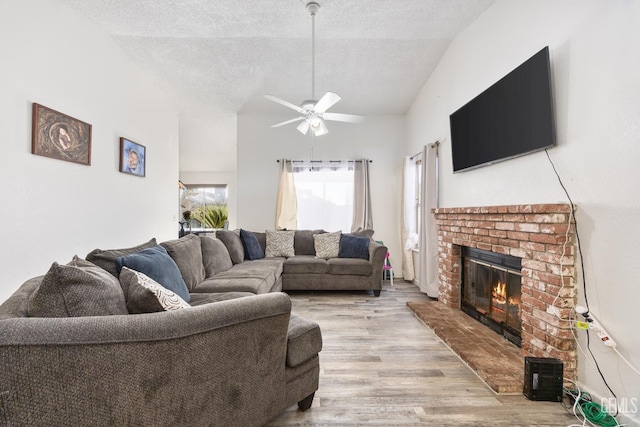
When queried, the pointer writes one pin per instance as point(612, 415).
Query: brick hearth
point(535, 233)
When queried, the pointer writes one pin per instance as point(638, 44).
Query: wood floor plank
point(381, 366)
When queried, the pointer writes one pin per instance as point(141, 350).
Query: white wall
point(53, 209)
point(208, 153)
point(379, 138)
point(594, 49)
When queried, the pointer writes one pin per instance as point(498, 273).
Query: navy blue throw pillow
point(353, 247)
point(156, 263)
point(252, 248)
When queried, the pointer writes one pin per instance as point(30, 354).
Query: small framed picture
point(132, 157)
point(59, 136)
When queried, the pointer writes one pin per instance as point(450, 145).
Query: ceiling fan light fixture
point(303, 127)
point(315, 122)
point(313, 112)
point(320, 129)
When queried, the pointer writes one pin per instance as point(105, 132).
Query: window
point(418, 195)
point(204, 205)
point(324, 191)
point(412, 192)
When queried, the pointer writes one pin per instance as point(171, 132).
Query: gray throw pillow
point(231, 240)
point(106, 258)
point(280, 243)
point(77, 289)
point(215, 256)
point(145, 295)
point(187, 254)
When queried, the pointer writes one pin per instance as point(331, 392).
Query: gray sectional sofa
point(233, 354)
point(303, 270)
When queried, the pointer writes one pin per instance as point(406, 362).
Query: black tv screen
point(511, 118)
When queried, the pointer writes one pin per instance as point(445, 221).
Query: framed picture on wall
point(133, 157)
point(59, 136)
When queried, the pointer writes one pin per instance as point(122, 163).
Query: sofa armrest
point(377, 255)
point(221, 363)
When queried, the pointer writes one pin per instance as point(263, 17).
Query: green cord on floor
point(594, 413)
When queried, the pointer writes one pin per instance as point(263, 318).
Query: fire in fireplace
point(491, 291)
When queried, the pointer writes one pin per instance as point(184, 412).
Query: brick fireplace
point(536, 234)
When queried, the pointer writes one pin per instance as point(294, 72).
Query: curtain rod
point(435, 144)
point(323, 161)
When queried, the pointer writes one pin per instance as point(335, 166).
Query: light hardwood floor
point(381, 366)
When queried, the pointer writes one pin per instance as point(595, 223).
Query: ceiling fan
point(314, 112)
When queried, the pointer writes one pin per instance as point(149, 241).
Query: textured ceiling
point(222, 56)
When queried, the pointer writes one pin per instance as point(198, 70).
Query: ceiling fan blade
point(320, 128)
point(286, 104)
point(297, 119)
point(326, 102)
point(339, 117)
point(303, 127)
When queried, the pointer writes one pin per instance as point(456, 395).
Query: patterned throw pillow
point(145, 295)
point(280, 243)
point(327, 245)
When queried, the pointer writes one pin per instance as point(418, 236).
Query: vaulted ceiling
point(223, 56)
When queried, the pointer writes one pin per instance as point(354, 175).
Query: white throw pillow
point(280, 243)
point(145, 295)
point(327, 244)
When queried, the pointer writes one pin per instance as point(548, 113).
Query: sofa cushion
point(274, 265)
point(362, 233)
point(353, 247)
point(231, 240)
point(226, 283)
point(327, 244)
point(280, 243)
point(305, 264)
point(353, 266)
point(304, 340)
point(106, 258)
point(187, 254)
point(79, 288)
point(252, 249)
point(207, 298)
point(303, 243)
point(215, 256)
point(158, 265)
point(145, 295)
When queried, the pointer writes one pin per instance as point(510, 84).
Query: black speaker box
point(543, 379)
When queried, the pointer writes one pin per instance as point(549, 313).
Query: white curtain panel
point(286, 204)
point(362, 219)
point(407, 226)
point(428, 232)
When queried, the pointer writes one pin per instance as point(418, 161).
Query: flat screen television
point(511, 118)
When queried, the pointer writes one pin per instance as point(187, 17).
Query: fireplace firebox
point(491, 291)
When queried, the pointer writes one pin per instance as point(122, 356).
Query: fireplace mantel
point(543, 236)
